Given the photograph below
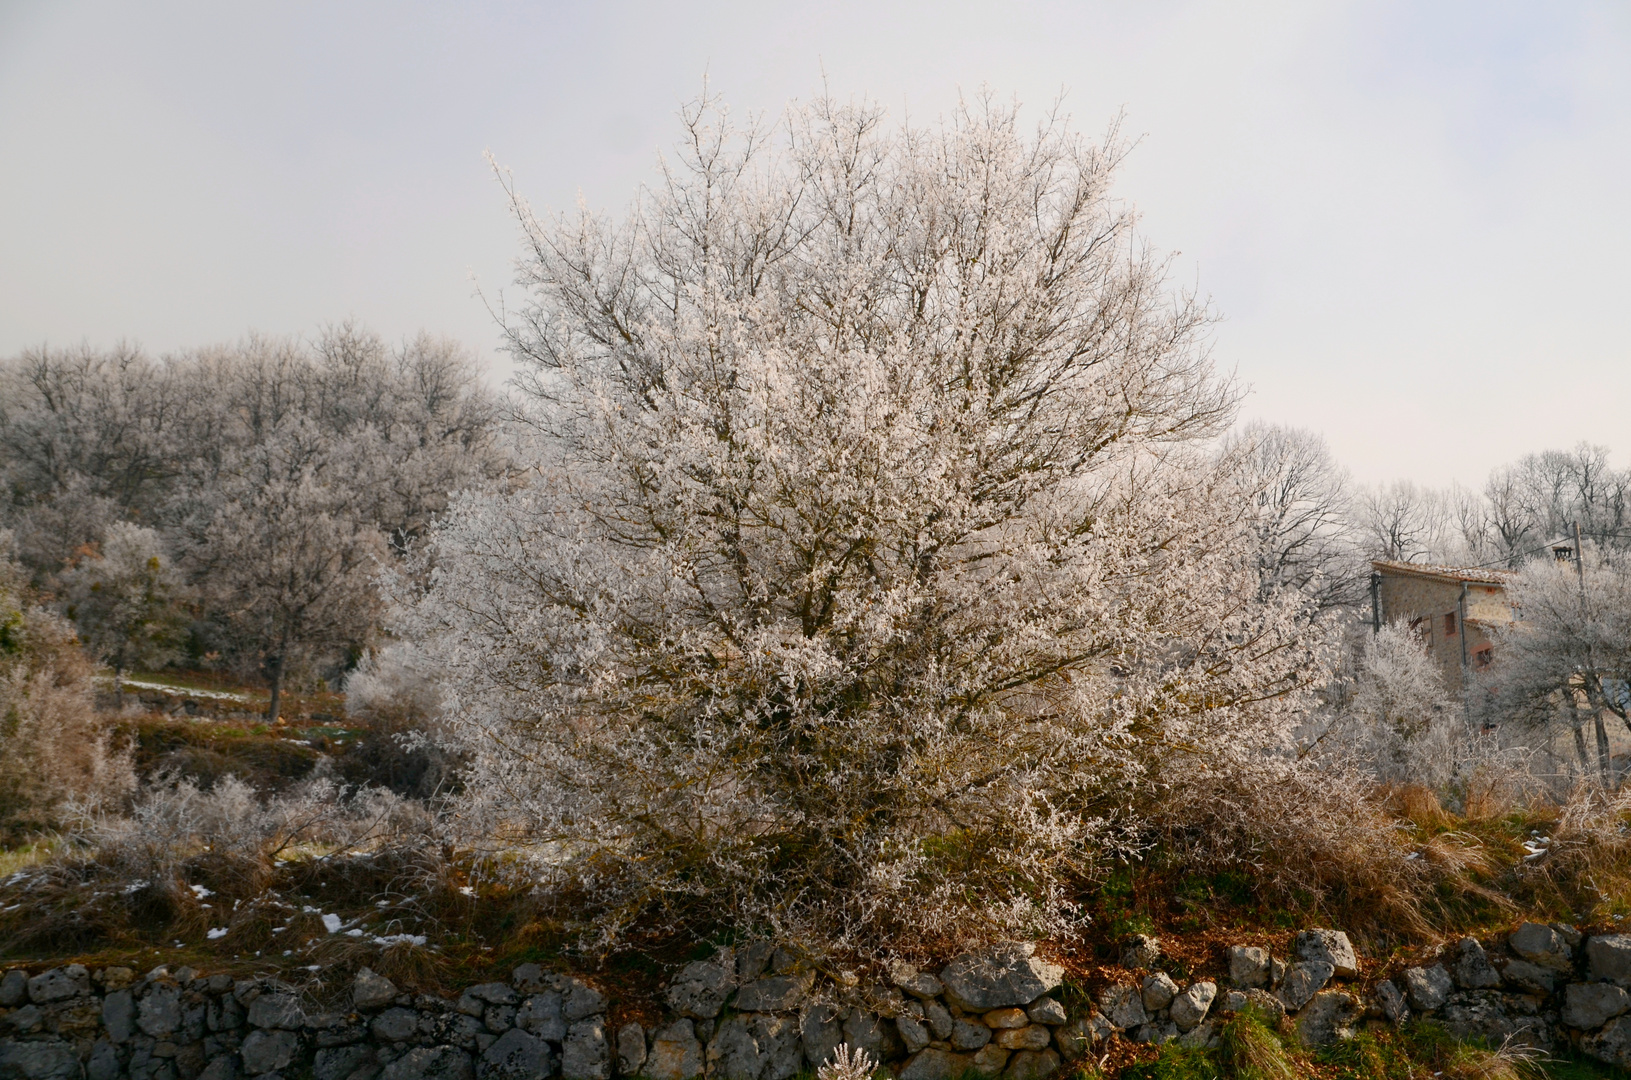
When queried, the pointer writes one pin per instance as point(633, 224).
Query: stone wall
point(759, 1014)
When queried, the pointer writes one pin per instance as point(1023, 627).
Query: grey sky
point(1414, 216)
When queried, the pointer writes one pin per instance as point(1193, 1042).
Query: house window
point(1483, 657)
point(1449, 625)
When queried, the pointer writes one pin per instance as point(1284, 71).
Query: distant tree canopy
point(270, 480)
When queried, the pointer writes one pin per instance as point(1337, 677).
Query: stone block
point(1302, 981)
point(1471, 968)
point(1000, 975)
point(1248, 966)
point(515, 1055)
point(1327, 947)
point(1158, 991)
point(1031, 1065)
point(1427, 988)
point(431, 1063)
point(1591, 1005)
point(1541, 944)
point(1608, 958)
point(370, 991)
point(1190, 1007)
point(268, 1050)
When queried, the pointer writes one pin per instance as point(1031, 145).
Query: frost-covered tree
point(866, 578)
point(1394, 716)
point(1300, 501)
point(1567, 657)
point(125, 598)
point(288, 567)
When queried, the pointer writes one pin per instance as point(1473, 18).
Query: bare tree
point(1568, 654)
point(1299, 498)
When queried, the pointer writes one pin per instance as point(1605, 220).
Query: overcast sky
point(1415, 217)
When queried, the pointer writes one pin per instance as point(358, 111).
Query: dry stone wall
point(758, 1013)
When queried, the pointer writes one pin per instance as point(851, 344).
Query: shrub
point(55, 748)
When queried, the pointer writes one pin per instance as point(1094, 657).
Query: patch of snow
point(332, 923)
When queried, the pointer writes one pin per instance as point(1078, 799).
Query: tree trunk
point(1604, 763)
point(1580, 750)
point(277, 687)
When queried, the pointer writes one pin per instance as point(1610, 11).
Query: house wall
point(1407, 597)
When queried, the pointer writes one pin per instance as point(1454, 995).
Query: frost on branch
point(870, 578)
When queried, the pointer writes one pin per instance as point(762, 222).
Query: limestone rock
point(1123, 1005)
point(1006, 973)
point(1472, 969)
point(529, 979)
point(1031, 1065)
point(1077, 1037)
point(585, 1052)
point(339, 1062)
point(1256, 998)
point(1197, 1036)
point(966, 1035)
point(1391, 1001)
point(119, 1015)
point(1302, 981)
point(1030, 1037)
point(431, 1063)
point(821, 1029)
point(913, 1032)
point(104, 1062)
point(1329, 1017)
point(866, 1030)
point(1612, 1044)
point(59, 984)
point(1608, 958)
point(733, 1054)
point(999, 1019)
point(780, 1047)
point(933, 1064)
point(1427, 988)
point(1328, 947)
point(540, 1014)
point(1190, 1007)
point(1047, 1011)
point(515, 1055)
point(989, 1060)
point(919, 984)
point(1529, 978)
point(700, 989)
point(631, 1049)
point(395, 1025)
point(1591, 1005)
point(1248, 966)
point(268, 1050)
point(1540, 944)
point(38, 1060)
point(159, 1012)
point(675, 1054)
point(273, 1010)
point(778, 993)
point(1158, 991)
point(579, 1000)
point(938, 1018)
point(370, 991)
point(1142, 951)
point(13, 988)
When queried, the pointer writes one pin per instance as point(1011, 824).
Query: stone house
point(1452, 610)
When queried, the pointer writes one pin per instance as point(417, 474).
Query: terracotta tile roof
point(1482, 575)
